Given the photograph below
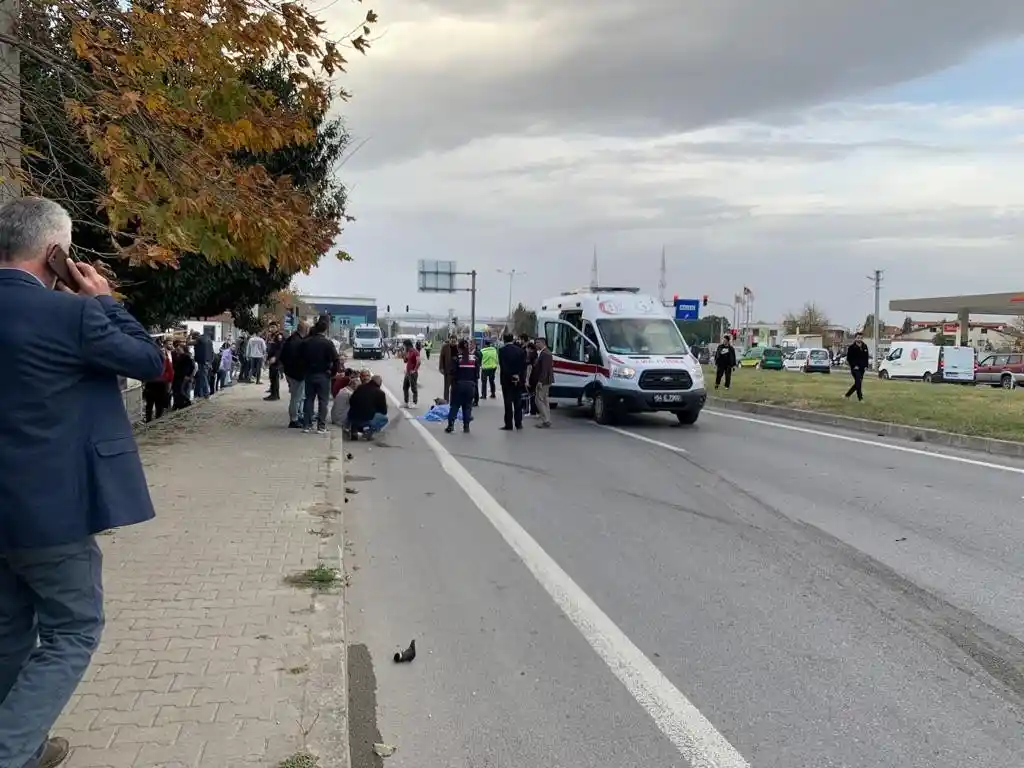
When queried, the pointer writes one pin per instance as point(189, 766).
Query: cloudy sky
point(792, 146)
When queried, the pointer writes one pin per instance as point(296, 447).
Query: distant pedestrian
point(274, 361)
point(157, 393)
point(444, 364)
point(320, 361)
point(202, 346)
point(256, 353)
point(227, 362)
point(463, 374)
point(184, 370)
point(410, 384)
point(69, 468)
point(858, 358)
point(512, 376)
point(544, 377)
point(291, 364)
point(488, 368)
point(725, 361)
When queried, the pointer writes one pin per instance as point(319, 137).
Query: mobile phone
point(57, 261)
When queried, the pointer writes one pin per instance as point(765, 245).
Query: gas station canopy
point(979, 304)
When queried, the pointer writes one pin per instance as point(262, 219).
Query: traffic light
point(675, 297)
point(705, 299)
point(389, 308)
point(406, 309)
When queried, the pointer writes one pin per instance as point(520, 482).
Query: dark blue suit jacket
point(69, 466)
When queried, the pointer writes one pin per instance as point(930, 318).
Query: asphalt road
point(624, 597)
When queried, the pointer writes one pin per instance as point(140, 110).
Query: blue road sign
point(687, 309)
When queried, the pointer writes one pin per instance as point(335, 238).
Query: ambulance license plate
point(668, 398)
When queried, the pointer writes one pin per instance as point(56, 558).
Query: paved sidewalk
point(210, 656)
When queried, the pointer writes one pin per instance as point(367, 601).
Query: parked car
point(752, 358)
point(1002, 369)
point(818, 361)
point(771, 359)
point(796, 360)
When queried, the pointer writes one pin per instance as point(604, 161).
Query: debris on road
point(384, 750)
point(407, 655)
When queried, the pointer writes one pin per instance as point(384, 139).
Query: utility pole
point(511, 278)
point(10, 104)
point(662, 282)
point(877, 280)
point(472, 307)
point(593, 271)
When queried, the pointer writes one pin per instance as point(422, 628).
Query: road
point(736, 593)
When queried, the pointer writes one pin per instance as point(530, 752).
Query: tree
point(59, 165)
point(810, 319)
point(524, 320)
point(908, 325)
point(942, 340)
point(705, 330)
point(869, 325)
point(165, 111)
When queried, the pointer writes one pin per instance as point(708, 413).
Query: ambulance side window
point(565, 342)
point(591, 352)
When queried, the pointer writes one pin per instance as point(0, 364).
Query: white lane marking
point(875, 443)
point(642, 439)
point(692, 733)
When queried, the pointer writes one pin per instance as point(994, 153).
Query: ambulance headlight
point(623, 372)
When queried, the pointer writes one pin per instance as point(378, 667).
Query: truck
point(367, 342)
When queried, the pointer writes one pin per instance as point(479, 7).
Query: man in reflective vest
point(488, 368)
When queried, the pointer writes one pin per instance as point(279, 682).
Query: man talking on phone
point(69, 468)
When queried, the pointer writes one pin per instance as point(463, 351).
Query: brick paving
point(209, 657)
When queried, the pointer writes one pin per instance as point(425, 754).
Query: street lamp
point(511, 278)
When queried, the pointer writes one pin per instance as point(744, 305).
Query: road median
point(971, 418)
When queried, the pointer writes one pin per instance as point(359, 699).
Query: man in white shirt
point(256, 351)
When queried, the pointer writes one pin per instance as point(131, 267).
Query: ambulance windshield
point(642, 336)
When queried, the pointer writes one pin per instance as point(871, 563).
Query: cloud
point(447, 71)
point(742, 136)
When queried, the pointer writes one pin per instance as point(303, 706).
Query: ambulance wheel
point(602, 409)
point(687, 417)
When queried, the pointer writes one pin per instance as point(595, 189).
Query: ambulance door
point(576, 359)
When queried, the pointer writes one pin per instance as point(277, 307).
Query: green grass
point(981, 411)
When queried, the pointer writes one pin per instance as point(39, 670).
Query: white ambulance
point(367, 341)
point(619, 351)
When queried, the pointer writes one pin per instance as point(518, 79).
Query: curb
point(327, 685)
point(987, 445)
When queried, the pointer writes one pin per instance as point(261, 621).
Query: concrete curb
point(880, 428)
point(327, 696)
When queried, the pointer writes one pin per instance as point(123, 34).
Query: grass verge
point(981, 411)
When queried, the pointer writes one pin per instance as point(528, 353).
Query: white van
point(910, 360)
point(618, 351)
point(367, 341)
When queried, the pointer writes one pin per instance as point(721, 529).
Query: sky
point(789, 146)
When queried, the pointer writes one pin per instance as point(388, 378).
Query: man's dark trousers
point(487, 376)
point(512, 396)
point(723, 371)
point(318, 388)
point(463, 393)
point(858, 383)
point(275, 381)
point(54, 594)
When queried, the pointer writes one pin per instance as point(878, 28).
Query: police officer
point(463, 373)
point(488, 368)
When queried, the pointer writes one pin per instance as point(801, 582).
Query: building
point(220, 328)
point(981, 336)
point(345, 312)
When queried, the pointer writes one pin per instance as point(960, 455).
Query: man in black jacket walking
point(320, 362)
point(512, 375)
point(858, 358)
point(725, 361)
point(291, 364)
point(274, 350)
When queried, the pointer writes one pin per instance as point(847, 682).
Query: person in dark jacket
point(512, 376)
point(725, 361)
point(463, 374)
point(184, 369)
point(444, 364)
point(320, 362)
point(367, 409)
point(858, 358)
point(202, 346)
point(274, 361)
point(479, 358)
point(291, 365)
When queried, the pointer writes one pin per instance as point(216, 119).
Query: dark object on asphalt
point(407, 655)
point(348, 456)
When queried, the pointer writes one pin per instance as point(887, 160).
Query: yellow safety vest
point(488, 358)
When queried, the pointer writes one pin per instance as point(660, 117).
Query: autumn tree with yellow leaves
point(159, 123)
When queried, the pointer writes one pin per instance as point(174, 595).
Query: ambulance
point(618, 351)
